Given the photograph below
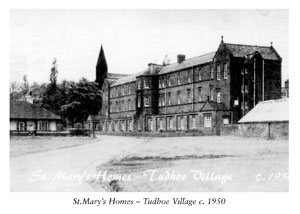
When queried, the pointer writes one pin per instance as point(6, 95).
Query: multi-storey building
point(197, 94)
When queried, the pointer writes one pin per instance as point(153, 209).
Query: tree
point(53, 73)
point(15, 91)
point(25, 86)
point(83, 99)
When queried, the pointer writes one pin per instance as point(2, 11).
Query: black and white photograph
point(141, 100)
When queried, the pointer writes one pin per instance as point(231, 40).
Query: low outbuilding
point(26, 117)
point(268, 119)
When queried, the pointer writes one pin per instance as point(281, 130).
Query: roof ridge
point(192, 58)
point(248, 45)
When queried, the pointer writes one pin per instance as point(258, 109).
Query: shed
point(267, 119)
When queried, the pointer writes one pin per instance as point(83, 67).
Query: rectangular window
point(178, 97)
point(189, 99)
point(193, 121)
point(139, 82)
point(182, 123)
point(139, 101)
point(159, 100)
point(161, 125)
point(225, 120)
point(207, 120)
point(218, 72)
point(211, 72)
point(199, 94)
point(169, 98)
point(218, 97)
point(189, 76)
point(163, 100)
point(21, 126)
point(225, 71)
point(178, 79)
point(179, 122)
point(171, 123)
point(146, 83)
point(169, 81)
point(129, 101)
point(123, 90)
point(123, 105)
point(43, 125)
point(146, 100)
point(211, 94)
point(199, 75)
point(163, 82)
point(117, 106)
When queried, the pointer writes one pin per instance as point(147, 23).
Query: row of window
point(122, 106)
point(188, 98)
point(118, 125)
point(183, 79)
point(180, 99)
point(42, 125)
point(177, 123)
point(123, 90)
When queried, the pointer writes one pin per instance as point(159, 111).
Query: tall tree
point(25, 86)
point(53, 73)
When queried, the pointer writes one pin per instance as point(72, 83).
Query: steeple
point(101, 68)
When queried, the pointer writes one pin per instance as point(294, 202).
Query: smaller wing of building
point(25, 116)
point(268, 111)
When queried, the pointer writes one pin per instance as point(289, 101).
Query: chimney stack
point(180, 58)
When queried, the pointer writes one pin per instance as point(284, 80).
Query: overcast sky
point(132, 38)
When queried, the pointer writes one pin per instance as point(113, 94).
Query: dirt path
point(64, 169)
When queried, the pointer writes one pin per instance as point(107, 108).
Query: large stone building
point(197, 94)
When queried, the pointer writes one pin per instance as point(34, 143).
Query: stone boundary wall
point(278, 130)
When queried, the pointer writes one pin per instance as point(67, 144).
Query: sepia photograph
point(169, 100)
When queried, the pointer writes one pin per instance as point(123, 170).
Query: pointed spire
point(101, 58)
point(101, 68)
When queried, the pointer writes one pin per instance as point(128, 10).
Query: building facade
point(198, 94)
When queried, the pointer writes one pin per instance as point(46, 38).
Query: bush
point(79, 132)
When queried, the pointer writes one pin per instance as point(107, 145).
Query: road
point(56, 170)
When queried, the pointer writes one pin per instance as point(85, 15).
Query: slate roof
point(268, 111)
point(188, 63)
point(116, 76)
point(127, 79)
point(239, 50)
point(25, 110)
